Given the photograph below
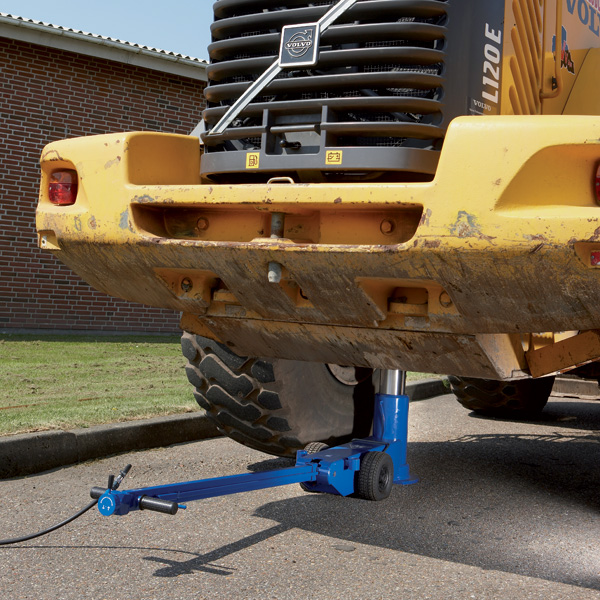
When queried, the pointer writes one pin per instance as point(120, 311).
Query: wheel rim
point(384, 478)
point(349, 375)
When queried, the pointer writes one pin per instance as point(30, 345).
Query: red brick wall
point(45, 95)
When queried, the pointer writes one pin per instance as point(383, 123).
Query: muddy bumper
point(448, 276)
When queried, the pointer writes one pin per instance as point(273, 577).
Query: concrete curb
point(427, 388)
point(34, 452)
point(568, 387)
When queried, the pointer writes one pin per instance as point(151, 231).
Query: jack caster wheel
point(376, 476)
point(312, 448)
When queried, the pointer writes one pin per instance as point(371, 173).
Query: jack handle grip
point(156, 504)
point(96, 492)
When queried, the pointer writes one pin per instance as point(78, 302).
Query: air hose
point(113, 484)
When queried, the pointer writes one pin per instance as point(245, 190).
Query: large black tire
point(523, 398)
point(273, 405)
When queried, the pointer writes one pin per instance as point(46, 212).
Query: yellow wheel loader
point(376, 184)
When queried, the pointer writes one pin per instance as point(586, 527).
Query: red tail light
point(62, 190)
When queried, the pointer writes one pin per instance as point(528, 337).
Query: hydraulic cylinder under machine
point(366, 468)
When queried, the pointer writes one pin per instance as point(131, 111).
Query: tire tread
point(248, 399)
point(523, 398)
point(235, 400)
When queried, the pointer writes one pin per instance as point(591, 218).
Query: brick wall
point(46, 95)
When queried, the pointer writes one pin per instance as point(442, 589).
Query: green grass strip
point(64, 382)
point(70, 381)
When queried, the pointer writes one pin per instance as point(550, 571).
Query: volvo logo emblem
point(299, 45)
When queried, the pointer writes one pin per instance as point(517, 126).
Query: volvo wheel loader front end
point(380, 184)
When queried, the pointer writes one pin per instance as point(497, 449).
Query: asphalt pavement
point(502, 510)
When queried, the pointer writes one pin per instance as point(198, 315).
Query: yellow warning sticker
point(333, 157)
point(252, 160)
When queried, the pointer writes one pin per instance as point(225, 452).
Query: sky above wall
point(181, 26)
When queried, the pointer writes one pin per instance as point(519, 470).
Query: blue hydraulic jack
point(367, 468)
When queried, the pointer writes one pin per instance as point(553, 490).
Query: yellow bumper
point(443, 276)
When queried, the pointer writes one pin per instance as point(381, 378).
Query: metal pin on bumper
point(277, 225)
point(277, 228)
point(274, 272)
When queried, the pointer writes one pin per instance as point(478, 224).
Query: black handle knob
point(96, 492)
point(162, 506)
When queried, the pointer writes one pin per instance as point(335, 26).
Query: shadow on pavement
point(523, 504)
point(582, 415)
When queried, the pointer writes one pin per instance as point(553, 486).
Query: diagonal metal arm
point(240, 104)
point(263, 81)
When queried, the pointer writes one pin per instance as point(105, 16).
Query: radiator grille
point(526, 64)
point(378, 86)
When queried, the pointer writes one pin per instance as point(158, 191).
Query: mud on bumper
point(445, 276)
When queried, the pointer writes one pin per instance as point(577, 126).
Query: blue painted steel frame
point(122, 502)
point(331, 471)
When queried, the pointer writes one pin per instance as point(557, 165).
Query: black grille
point(376, 92)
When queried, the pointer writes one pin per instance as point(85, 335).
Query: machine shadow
point(561, 414)
point(524, 504)
point(205, 562)
point(497, 502)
